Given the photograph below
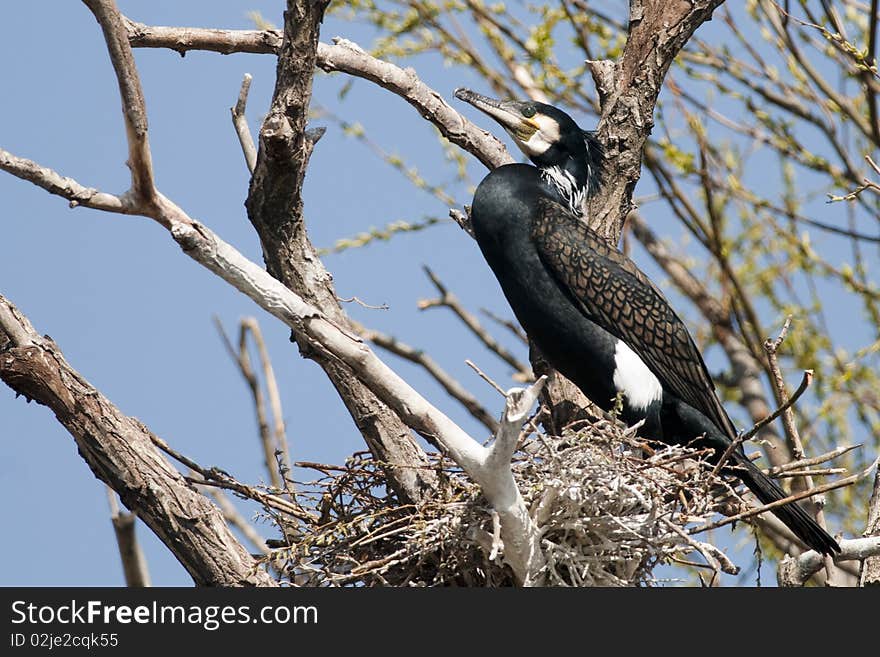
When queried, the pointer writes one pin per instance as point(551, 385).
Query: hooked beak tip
point(464, 94)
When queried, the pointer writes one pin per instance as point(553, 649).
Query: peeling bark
point(275, 208)
point(628, 90)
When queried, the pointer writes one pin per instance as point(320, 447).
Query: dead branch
point(419, 357)
point(869, 574)
point(344, 56)
point(239, 121)
point(848, 481)
point(184, 39)
point(285, 146)
point(771, 346)
point(279, 429)
point(242, 359)
point(448, 300)
point(815, 460)
point(805, 383)
point(509, 324)
point(235, 519)
point(495, 476)
point(795, 571)
point(134, 565)
point(216, 477)
point(119, 451)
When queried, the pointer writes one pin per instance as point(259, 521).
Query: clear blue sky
point(134, 316)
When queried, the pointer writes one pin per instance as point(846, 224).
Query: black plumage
point(592, 313)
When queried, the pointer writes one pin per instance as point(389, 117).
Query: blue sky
point(134, 316)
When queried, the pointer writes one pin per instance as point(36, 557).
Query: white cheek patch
point(633, 378)
point(549, 128)
point(544, 137)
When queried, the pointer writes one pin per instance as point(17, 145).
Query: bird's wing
point(612, 292)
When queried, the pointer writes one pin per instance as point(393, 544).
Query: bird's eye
point(528, 111)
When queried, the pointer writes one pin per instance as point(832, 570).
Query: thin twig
point(242, 359)
point(819, 472)
point(485, 377)
point(216, 477)
point(363, 304)
point(234, 517)
point(134, 564)
point(848, 481)
point(509, 324)
point(441, 376)
point(239, 120)
point(805, 383)
point(734, 445)
point(448, 300)
point(278, 426)
point(814, 460)
point(771, 346)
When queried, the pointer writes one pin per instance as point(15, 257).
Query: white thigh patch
point(633, 378)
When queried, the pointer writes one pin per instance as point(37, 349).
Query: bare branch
point(350, 58)
point(870, 570)
point(848, 481)
point(14, 327)
point(805, 383)
point(218, 477)
point(285, 145)
point(344, 56)
point(795, 571)
point(243, 361)
point(771, 346)
point(236, 519)
point(450, 384)
point(133, 108)
point(119, 451)
point(278, 427)
point(522, 549)
point(448, 300)
point(815, 460)
point(184, 39)
point(509, 324)
point(134, 565)
point(485, 377)
point(791, 432)
point(68, 188)
point(239, 120)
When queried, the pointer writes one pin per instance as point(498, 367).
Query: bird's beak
point(506, 112)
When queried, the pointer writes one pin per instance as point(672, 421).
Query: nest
point(609, 509)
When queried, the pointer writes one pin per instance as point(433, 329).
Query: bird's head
point(548, 136)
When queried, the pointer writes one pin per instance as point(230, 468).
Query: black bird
point(592, 313)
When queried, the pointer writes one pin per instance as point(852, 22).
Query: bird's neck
point(568, 184)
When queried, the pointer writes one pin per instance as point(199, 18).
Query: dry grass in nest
point(607, 516)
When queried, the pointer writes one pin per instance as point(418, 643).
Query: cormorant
point(588, 308)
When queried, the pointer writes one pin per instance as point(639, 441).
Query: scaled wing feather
point(612, 292)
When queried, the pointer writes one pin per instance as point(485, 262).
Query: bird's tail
point(792, 514)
